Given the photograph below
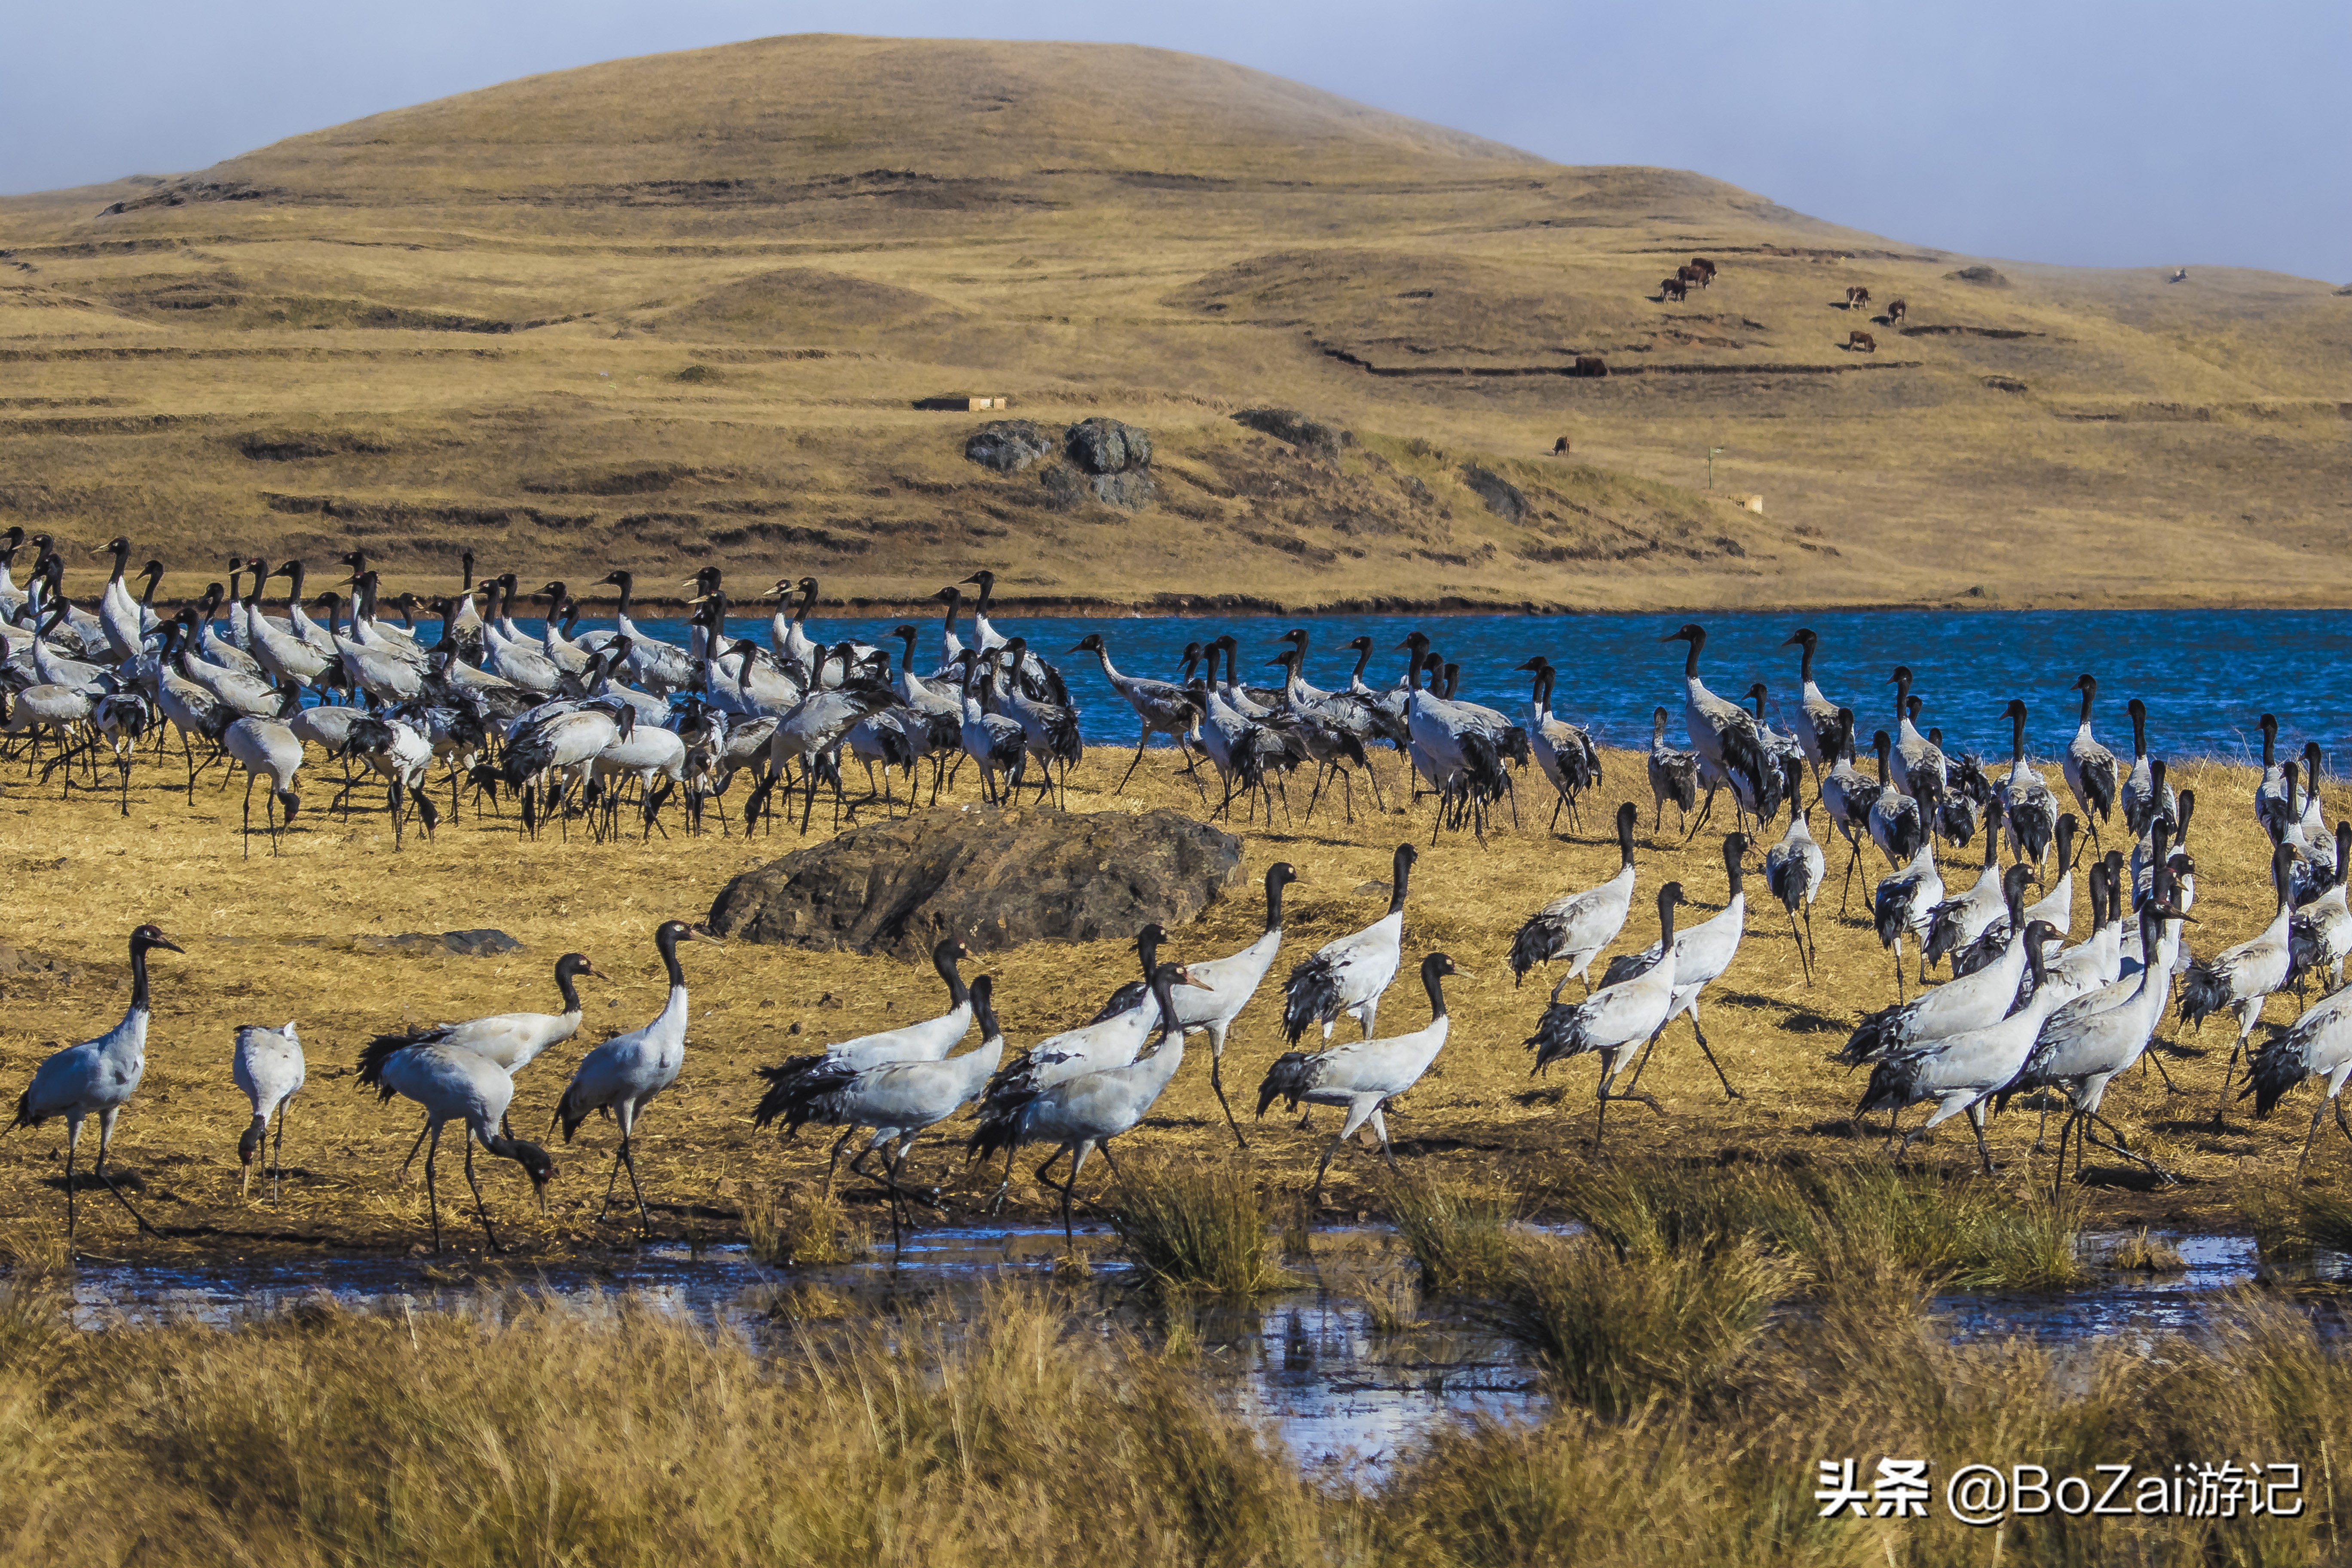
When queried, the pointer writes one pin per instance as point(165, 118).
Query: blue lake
point(2206, 676)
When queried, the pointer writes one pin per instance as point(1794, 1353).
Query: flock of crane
point(582, 724)
point(2021, 1011)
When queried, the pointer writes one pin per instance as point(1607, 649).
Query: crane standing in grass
point(98, 1076)
point(1365, 1075)
point(1615, 1018)
point(268, 1066)
point(622, 1075)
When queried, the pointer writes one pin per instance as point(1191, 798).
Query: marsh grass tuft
point(1195, 1225)
point(1861, 1216)
point(2144, 1252)
point(801, 1225)
point(2324, 1219)
point(1617, 1332)
point(1460, 1234)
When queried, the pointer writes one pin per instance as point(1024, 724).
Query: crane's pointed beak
point(166, 942)
point(1462, 973)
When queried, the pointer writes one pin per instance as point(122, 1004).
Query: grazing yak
point(1863, 341)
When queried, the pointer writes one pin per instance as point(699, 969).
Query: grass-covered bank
point(1026, 1431)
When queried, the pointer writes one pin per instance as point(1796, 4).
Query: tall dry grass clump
point(1615, 1333)
point(1195, 1225)
point(621, 1435)
point(1860, 1216)
point(1459, 1233)
point(801, 1223)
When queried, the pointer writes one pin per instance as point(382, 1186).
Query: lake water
point(2206, 676)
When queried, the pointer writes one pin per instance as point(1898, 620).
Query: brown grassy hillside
point(741, 267)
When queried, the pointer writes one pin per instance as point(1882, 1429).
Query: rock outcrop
point(995, 877)
point(1288, 425)
point(1009, 445)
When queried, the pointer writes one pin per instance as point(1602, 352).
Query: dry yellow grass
point(268, 939)
point(467, 323)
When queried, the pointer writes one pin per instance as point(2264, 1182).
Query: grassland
point(644, 308)
point(270, 940)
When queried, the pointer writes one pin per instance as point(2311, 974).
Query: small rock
point(1371, 889)
point(479, 943)
point(794, 1030)
point(827, 1000)
point(1984, 277)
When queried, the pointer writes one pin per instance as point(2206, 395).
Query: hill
point(685, 307)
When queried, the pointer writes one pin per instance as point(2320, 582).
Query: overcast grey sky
point(2149, 134)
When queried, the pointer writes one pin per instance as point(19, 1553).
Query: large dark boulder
point(995, 877)
point(1009, 445)
point(1100, 445)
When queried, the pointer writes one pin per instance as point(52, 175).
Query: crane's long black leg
point(611, 1181)
point(1217, 1082)
point(1708, 1051)
point(644, 1219)
point(480, 1209)
point(431, 1193)
point(412, 1148)
point(73, 1143)
point(106, 1137)
point(278, 1174)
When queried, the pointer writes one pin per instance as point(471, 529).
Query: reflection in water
point(1342, 1369)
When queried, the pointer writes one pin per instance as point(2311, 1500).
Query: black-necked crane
point(1794, 870)
point(1331, 735)
point(1674, 776)
point(2320, 935)
point(1726, 734)
point(1614, 1019)
point(1162, 706)
point(2026, 802)
point(1970, 1002)
point(2239, 980)
point(1919, 765)
point(2143, 792)
point(658, 667)
point(457, 1085)
point(96, 1076)
point(2056, 907)
point(2090, 768)
point(1363, 1076)
point(926, 1041)
point(1703, 950)
point(399, 754)
point(1960, 1071)
point(899, 1101)
point(1348, 975)
point(1049, 729)
point(1818, 733)
point(2318, 1044)
point(995, 744)
point(1955, 923)
point(266, 749)
point(1898, 823)
point(1563, 750)
point(1849, 797)
point(2274, 796)
point(622, 1075)
point(1576, 926)
point(2081, 1047)
point(268, 1066)
point(510, 1041)
point(1221, 987)
point(1085, 1111)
